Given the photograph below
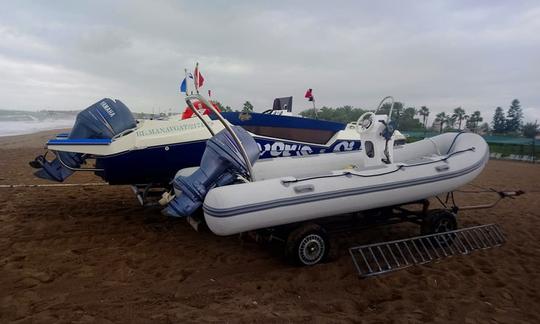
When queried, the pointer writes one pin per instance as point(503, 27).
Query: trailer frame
point(302, 237)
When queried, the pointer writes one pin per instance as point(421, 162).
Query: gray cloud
point(443, 54)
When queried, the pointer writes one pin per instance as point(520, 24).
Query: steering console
point(365, 122)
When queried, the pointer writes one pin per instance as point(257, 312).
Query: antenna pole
point(315, 108)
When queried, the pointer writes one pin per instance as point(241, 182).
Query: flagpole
point(187, 81)
point(196, 77)
point(315, 108)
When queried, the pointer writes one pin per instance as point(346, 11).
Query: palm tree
point(477, 118)
point(442, 118)
point(459, 115)
point(474, 119)
point(424, 112)
point(450, 121)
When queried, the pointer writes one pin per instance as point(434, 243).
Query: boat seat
point(80, 141)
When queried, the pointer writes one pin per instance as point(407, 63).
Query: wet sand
point(93, 255)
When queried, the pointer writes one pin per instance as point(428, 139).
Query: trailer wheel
point(307, 245)
point(439, 221)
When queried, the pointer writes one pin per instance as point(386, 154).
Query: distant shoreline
point(29, 140)
point(15, 128)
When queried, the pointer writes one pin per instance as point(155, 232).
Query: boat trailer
point(308, 243)
point(436, 243)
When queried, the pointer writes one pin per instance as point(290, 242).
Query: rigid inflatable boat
point(129, 151)
point(237, 197)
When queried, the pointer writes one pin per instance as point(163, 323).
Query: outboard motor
point(220, 164)
point(104, 119)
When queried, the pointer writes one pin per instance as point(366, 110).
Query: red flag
point(199, 80)
point(309, 95)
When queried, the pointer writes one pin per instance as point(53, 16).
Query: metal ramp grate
point(378, 258)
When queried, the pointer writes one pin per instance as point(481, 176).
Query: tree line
point(416, 119)
point(413, 119)
point(409, 119)
point(247, 107)
point(457, 117)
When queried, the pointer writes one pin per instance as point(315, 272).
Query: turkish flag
point(198, 77)
point(309, 95)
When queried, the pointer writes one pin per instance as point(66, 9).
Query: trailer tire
point(439, 221)
point(307, 245)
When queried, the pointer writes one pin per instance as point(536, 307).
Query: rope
point(398, 167)
point(53, 185)
point(454, 141)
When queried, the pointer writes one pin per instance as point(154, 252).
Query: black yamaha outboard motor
point(104, 119)
point(220, 164)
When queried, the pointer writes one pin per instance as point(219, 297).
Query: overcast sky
point(442, 54)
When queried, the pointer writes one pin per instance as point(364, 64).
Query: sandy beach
point(93, 255)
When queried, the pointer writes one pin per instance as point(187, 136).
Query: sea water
point(9, 128)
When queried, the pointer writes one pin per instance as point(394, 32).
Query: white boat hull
point(419, 171)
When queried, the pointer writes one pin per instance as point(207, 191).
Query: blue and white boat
point(150, 152)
